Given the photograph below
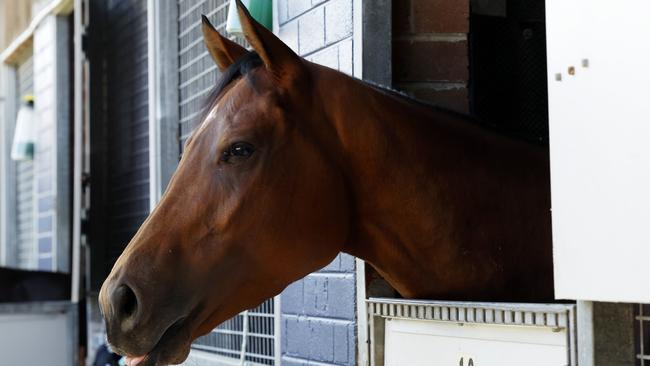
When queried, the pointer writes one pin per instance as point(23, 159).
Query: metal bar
point(236, 332)
point(544, 308)
point(363, 358)
point(153, 43)
point(198, 76)
point(585, 315)
point(641, 348)
point(7, 169)
point(572, 337)
point(215, 349)
point(277, 351)
point(244, 339)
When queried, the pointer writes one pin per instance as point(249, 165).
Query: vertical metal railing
point(642, 319)
point(249, 337)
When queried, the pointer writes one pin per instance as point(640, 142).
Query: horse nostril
point(125, 303)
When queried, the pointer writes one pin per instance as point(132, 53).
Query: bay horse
point(293, 163)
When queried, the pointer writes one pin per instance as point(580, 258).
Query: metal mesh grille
point(252, 331)
point(249, 336)
point(127, 122)
point(198, 73)
point(508, 61)
point(25, 183)
point(642, 334)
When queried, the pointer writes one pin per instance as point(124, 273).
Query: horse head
point(258, 201)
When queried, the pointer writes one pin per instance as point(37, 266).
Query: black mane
point(252, 60)
point(470, 118)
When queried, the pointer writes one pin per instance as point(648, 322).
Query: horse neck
point(431, 195)
point(390, 151)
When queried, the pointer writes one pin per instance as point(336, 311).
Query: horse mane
point(252, 60)
point(412, 100)
point(469, 118)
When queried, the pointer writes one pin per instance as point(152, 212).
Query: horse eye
point(241, 150)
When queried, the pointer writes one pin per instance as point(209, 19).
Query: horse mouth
point(173, 347)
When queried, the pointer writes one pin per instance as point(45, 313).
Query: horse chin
point(172, 349)
point(169, 356)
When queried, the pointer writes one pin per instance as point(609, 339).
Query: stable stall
point(594, 56)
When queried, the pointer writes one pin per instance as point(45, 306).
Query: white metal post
point(277, 331)
point(7, 188)
point(153, 45)
point(585, 325)
point(162, 48)
point(77, 163)
point(362, 312)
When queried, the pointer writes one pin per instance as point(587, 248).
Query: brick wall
point(319, 311)
point(430, 51)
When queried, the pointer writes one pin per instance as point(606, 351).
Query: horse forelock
point(240, 68)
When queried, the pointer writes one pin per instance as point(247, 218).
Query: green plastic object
point(25, 131)
point(262, 11)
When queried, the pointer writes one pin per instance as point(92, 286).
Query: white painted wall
point(36, 339)
point(319, 30)
point(424, 343)
point(600, 148)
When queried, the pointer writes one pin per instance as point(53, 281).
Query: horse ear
point(273, 52)
point(224, 51)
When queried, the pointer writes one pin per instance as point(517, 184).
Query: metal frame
point(205, 356)
point(585, 330)
point(7, 191)
point(14, 54)
point(162, 34)
point(80, 110)
point(26, 58)
point(61, 254)
point(643, 356)
point(556, 316)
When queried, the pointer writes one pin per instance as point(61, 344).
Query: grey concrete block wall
point(52, 166)
point(319, 317)
point(311, 27)
point(319, 312)
point(45, 154)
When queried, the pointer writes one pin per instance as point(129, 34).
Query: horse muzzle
point(136, 328)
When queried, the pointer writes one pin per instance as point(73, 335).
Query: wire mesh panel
point(252, 331)
point(508, 57)
point(198, 73)
point(250, 336)
point(127, 121)
point(25, 241)
point(642, 334)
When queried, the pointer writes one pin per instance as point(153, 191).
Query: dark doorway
point(508, 83)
